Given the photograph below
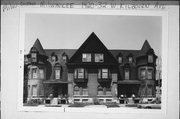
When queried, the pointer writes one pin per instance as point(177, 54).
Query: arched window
point(76, 90)
point(100, 90)
point(57, 71)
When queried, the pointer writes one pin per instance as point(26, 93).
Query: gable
point(93, 45)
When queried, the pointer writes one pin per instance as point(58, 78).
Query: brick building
point(90, 73)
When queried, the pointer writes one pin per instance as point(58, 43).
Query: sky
point(57, 31)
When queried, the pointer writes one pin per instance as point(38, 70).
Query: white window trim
point(96, 57)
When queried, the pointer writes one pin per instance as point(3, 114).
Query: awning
point(129, 82)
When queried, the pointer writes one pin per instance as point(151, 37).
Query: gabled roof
point(39, 47)
point(92, 45)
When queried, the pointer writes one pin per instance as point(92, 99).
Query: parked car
point(149, 106)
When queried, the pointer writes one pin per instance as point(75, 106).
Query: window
point(86, 57)
point(142, 74)
point(126, 74)
point(150, 58)
point(120, 59)
point(57, 74)
point(103, 73)
point(100, 90)
point(84, 91)
point(64, 58)
point(150, 74)
point(34, 57)
point(28, 89)
point(34, 73)
point(76, 90)
point(145, 73)
point(108, 91)
point(53, 58)
point(99, 58)
point(130, 59)
point(34, 90)
point(41, 73)
point(80, 73)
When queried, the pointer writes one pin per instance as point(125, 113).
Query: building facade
point(91, 73)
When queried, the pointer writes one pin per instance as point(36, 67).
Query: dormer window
point(86, 57)
point(120, 59)
point(130, 59)
point(150, 58)
point(99, 57)
point(34, 54)
point(34, 57)
point(54, 57)
point(64, 58)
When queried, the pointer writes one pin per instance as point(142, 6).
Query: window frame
point(125, 76)
point(34, 57)
point(130, 59)
point(57, 74)
point(100, 73)
point(41, 76)
point(86, 58)
point(120, 61)
point(150, 58)
point(34, 74)
point(76, 73)
point(98, 57)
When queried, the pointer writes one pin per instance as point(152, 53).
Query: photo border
point(164, 50)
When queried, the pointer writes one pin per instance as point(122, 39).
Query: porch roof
point(129, 82)
point(55, 81)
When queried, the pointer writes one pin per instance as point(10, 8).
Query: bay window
point(145, 73)
point(34, 73)
point(103, 73)
point(80, 73)
point(150, 58)
point(150, 74)
point(41, 73)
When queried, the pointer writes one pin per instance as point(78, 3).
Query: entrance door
point(60, 89)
